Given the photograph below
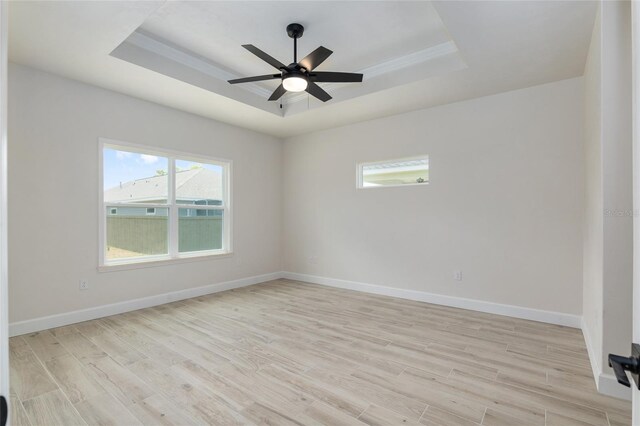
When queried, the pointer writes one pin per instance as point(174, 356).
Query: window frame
point(360, 172)
point(173, 255)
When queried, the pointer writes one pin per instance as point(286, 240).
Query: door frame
point(4, 285)
point(635, 55)
point(4, 290)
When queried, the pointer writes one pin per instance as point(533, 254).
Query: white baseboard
point(594, 359)
point(607, 384)
point(550, 317)
point(59, 320)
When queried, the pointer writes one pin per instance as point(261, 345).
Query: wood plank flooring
point(290, 353)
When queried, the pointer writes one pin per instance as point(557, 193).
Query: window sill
point(124, 266)
point(394, 186)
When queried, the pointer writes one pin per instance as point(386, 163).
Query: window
point(400, 172)
point(161, 205)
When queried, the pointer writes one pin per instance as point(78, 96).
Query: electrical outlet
point(84, 285)
point(457, 275)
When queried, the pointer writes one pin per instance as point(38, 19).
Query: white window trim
point(360, 171)
point(173, 256)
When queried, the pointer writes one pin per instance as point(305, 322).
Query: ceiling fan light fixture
point(295, 83)
point(299, 76)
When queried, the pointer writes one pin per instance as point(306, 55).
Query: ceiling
point(413, 54)
point(176, 41)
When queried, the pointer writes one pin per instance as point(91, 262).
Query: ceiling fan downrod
point(295, 31)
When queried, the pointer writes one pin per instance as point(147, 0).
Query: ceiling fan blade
point(317, 91)
point(256, 78)
point(315, 58)
point(264, 56)
point(336, 77)
point(277, 94)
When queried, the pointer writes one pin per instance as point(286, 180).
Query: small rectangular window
point(151, 211)
point(400, 172)
point(113, 211)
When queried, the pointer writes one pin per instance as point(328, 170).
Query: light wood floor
point(285, 352)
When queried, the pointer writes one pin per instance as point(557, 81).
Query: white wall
point(617, 178)
point(505, 202)
point(608, 243)
point(593, 240)
point(54, 126)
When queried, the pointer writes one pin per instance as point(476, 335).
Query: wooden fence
point(148, 234)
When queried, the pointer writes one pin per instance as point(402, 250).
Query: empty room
point(319, 213)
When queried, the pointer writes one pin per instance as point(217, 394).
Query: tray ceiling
point(413, 54)
point(199, 43)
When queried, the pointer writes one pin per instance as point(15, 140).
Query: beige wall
point(617, 178)
point(504, 203)
point(54, 125)
point(608, 270)
point(593, 230)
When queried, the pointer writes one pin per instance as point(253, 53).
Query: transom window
point(161, 205)
point(399, 172)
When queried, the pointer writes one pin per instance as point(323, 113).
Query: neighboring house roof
point(195, 184)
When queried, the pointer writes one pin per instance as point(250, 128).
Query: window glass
point(157, 207)
point(200, 230)
point(199, 183)
point(130, 177)
point(395, 172)
point(133, 233)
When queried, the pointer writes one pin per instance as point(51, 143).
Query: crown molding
point(395, 64)
point(162, 48)
point(168, 50)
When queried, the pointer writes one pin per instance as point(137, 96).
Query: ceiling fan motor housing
point(295, 72)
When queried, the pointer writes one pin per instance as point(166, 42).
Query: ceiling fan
point(299, 76)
